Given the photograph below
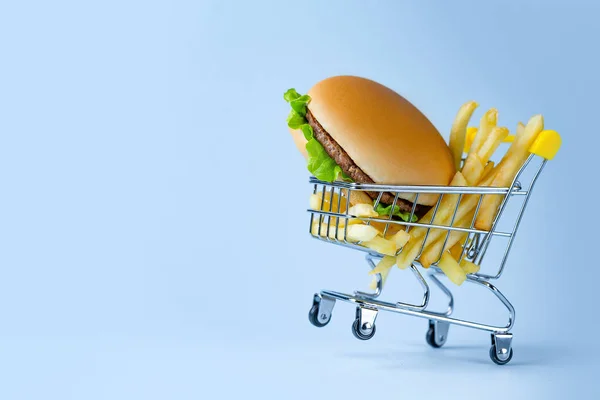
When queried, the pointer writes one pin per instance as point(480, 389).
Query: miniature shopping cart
point(474, 247)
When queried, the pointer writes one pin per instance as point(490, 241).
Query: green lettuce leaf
point(307, 131)
point(290, 95)
point(295, 120)
point(320, 164)
point(299, 104)
point(405, 216)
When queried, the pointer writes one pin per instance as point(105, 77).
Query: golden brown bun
point(382, 132)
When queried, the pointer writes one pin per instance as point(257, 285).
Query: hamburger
point(355, 129)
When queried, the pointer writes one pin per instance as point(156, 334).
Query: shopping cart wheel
point(358, 333)
point(437, 333)
point(363, 326)
point(494, 356)
point(501, 351)
point(320, 312)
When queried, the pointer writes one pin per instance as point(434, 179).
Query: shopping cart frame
point(475, 246)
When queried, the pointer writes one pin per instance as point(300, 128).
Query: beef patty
point(342, 158)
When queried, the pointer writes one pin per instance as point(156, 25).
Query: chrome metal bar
point(330, 209)
point(391, 214)
point(321, 207)
point(426, 293)
point(421, 224)
point(393, 307)
point(466, 244)
point(412, 211)
point(349, 193)
point(447, 292)
point(435, 210)
point(420, 189)
point(448, 233)
point(443, 227)
point(378, 200)
point(515, 227)
point(501, 208)
point(337, 220)
point(473, 248)
point(378, 278)
point(312, 215)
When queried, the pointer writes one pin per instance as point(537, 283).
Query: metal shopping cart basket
point(335, 220)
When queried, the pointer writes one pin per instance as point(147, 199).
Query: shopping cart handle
point(546, 145)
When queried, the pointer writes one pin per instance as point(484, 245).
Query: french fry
point(511, 149)
point(331, 233)
point(432, 252)
point(507, 169)
point(486, 124)
point(459, 131)
point(354, 232)
point(314, 201)
point(453, 271)
point(381, 245)
point(473, 169)
point(328, 202)
point(434, 249)
point(491, 143)
point(362, 233)
point(401, 238)
point(386, 263)
point(519, 150)
point(409, 254)
point(487, 170)
point(478, 159)
point(446, 207)
point(469, 267)
point(384, 276)
point(315, 230)
point(414, 245)
point(463, 219)
point(358, 197)
point(487, 212)
point(363, 210)
point(392, 227)
point(353, 221)
point(456, 250)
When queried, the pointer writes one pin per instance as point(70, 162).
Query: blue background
point(153, 238)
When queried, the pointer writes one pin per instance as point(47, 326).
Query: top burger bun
point(382, 134)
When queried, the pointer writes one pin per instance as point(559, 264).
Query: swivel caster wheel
point(363, 327)
point(320, 312)
point(501, 351)
point(437, 334)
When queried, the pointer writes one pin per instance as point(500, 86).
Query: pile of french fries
point(369, 234)
point(435, 246)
